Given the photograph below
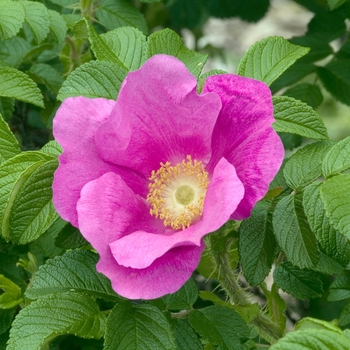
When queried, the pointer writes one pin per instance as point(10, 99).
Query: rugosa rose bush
point(145, 177)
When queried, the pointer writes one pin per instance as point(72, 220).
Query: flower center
point(176, 193)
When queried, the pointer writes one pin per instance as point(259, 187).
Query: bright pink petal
point(74, 128)
point(140, 249)
point(159, 117)
point(244, 136)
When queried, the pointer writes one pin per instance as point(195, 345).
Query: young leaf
point(11, 18)
point(9, 146)
point(257, 244)
point(340, 287)
point(37, 17)
point(267, 59)
point(18, 85)
point(301, 284)
point(335, 197)
point(296, 117)
point(333, 243)
point(74, 270)
point(93, 79)
point(220, 326)
point(58, 26)
point(129, 45)
point(168, 42)
point(12, 294)
point(186, 338)
point(312, 339)
point(293, 233)
point(32, 211)
point(305, 92)
point(133, 323)
point(113, 14)
point(337, 159)
point(53, 315)
point(304, 166)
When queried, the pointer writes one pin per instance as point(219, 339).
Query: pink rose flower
point(145, 177)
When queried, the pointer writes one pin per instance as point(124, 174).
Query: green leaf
point(12, 295)
point(340, 287)
point(133, 323)
point(267, 59)
point(52, 148)
point(344, 318)
point(58, 27)
point(37, 17)
point(293, 233)
point(45, 74)
point(11, 18)
point(168, 42)
point(9, 146)
point(73, 271)
point(70, 238)
point(93, 79)
point(12, 51)
point(13, 174)
point(312, 339)
point(183, 299)
point(18, 85)
point(186, 338)
point(337, 159)
point(301, 284)
point(203, 78)
point(305, 92)
point(333, 243)
point(53, 315)
point(6, 316)
point(32, 211)
point(257, 244)
point(328, 266)
point(335, 76)
point(296, 117)
point(220, 326)
point(335, 197)
point(314, 323)
point(113, 14)
point(129, 45)
point(304, 166)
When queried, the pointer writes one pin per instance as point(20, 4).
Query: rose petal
point(140, 249)
point(158, 117)
point(74, 128)
point(244, 136)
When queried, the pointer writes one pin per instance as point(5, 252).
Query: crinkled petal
point(159, 117)
point(140, 249)
point(244, 136)
point(74, 128)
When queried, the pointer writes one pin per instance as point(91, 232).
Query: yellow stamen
point(177, 193)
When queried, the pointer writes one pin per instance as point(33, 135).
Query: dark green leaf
point(70, 238)
point(344, 318)
point(305, 92)
point(6, 317)
point(9, 146)
point(340, 288)
point(301, 284)
point(45, 74)
point(186, 338)
point(140, 327)
point(7, 106)
point(333, 4)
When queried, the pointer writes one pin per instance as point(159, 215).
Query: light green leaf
point(257, 244)
point(58, 27)
point(296, 117)
point(168, 42)
point(32, 211)
point(9, 146)
point(13, 174)
point(301, 284)
point(220, 326)
point(54, 315)
point(312, 339)
point(337, 159)
point(335, 197)
point(133, 323)
point(304, 166)
point(18, 85)
point(314, 323)
point(113, 14)
point(129, 45)
point(73, 271)
point(12, 294)
point(267, 59)
point(52, 148)
point(293, 233)
point(11, 18)
point(45, 74)
point(93, 79)
point(340, 287)
point(37, 17)
point(333, 4)
point(186, 338)
point(331, 241)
